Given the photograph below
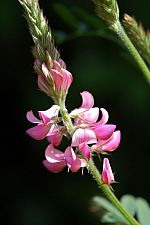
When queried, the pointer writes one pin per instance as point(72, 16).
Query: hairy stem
point(142, 65)
point(109, 194)
point(94, 171)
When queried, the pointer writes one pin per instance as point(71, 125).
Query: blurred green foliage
point(29, 193)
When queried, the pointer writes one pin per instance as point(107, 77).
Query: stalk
point(96, 174)
point(125, 39)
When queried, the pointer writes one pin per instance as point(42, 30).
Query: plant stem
point(94, 171)
point(109, 194)
point(142, 65)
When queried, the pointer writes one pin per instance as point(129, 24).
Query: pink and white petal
point(107, 174)
point(42, 84)
point(84, 149)
point(45, 70)
point(104, 131)
point(91, 115)
point(105, 178)
point(83, 135)
point(98, 145)
point(83, 163)
point(113, 143)
point(30, 117)
point(54, 167)
point(67, 80)
point(53, 155)
point(55, 138)
point(58, 79)
point(77, 164)
point(77, 112)
point(87, 100)
point(47, 115)
point(104, 119)
point(38, 132)
point(70, 155)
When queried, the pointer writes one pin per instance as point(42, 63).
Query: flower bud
point(107, 175)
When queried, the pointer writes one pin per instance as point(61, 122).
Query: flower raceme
point(90, 135)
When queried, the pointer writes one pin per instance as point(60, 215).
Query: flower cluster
point(53, 78)
point(90, 135)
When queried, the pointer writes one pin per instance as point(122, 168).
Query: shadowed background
point(30, 195)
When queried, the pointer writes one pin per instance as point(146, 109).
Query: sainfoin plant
point(86, 127)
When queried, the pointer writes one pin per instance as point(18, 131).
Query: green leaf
point(114, 215)
point(107, 218)
point(129, 203)
point(143, 211)
point(66, 15)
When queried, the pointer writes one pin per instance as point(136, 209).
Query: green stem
point(123, 36)
point(66, 118)
point(109, 194)
point(94, 171)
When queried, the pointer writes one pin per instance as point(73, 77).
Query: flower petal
point(42, 84)
point(113, 143)
point(90, 116)
point(58, 79)
point(104, 131)
point(56, 66)
point(55, 138)
point(53, 155)
point(38, 132)
point(70, 155)
point(107, 174)
point(104, 119)
point(45, 70)
point(84, 148)
point(47, 115)
point(83, 135)
point(67, 80)
point(73, 162)
point(87, 100)
point(30, 116)
point(54, 167)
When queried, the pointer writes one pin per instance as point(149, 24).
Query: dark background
point(30, 195)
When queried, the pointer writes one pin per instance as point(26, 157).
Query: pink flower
point(55, 135)
point(83, 135)
point(43, 86)
point(104, 132)
point(74, 163)
point(54, 159)
point(107, 175)
point(108, 145)
point(90, 131)
point(44, 124)
point(84, 149)
point(87, 103)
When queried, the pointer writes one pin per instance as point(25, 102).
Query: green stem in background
point(94, 171)
point(142, 65)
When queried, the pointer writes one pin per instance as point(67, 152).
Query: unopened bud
point(108, 11)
